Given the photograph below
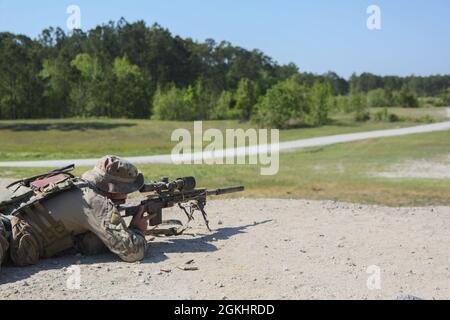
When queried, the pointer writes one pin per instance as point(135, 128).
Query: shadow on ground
point(155, 254)
point(64, 126)
point(158, 250)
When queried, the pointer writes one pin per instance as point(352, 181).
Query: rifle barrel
point(220, 191)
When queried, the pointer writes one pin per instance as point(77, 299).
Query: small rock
point(407, 297)
point(219, 222)
point(184, 268)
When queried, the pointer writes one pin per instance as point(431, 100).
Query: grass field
point(339, 172)
point(81, 138)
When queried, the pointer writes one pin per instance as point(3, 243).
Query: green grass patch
point(91, 138)
point(337, 172)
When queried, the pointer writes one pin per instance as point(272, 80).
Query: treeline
point(131, 70)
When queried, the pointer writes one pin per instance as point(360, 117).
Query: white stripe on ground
point(252, 150)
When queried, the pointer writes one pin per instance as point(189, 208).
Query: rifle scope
point(180, 184)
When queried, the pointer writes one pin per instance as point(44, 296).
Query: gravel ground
point(266, 249)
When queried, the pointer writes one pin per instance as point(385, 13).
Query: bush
point(283, 105)
point(222, 109)
point(394, 118)
point(407, 98)
point(382, 115)
point(358, 102)
point(342, 104)
point(362, 116)
point(445, 97)
point(246, 98)
point(425, 119)
point(320, 101)
point(377, 98)
point(429, 102)
point(192, 103)
point(171, 105)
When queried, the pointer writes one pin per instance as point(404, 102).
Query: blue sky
point(317, 35)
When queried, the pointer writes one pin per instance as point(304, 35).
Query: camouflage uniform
point(4, 244)
point(92, 220)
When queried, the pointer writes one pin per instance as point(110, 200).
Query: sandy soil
point(5, 182)
point(266, 249)
point(426, 168)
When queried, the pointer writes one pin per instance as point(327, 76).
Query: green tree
point(94, 94)
point(171, 104)
point(246, 97)
point(321, 101)
point(283, 105)
point(222, 109)
point(358, 103)
point(131, 96)
point(407, 98)
point(56, 75)
point(377, 98)
point(20, 85)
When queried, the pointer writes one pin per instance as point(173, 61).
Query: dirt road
point(267, 249)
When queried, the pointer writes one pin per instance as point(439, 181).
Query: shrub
point(382, 115)
point(407, 98)
point(170, 105)
point(445, 97)
point(342, 104)
point(377, 98)
point(320, 100)
point(362, 116)
point(283, 105)
point(246, 98)
point(394, 118)
point(222, 108)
